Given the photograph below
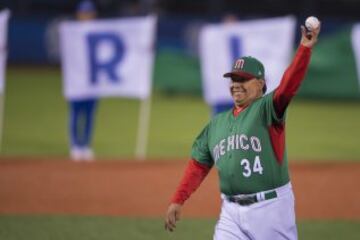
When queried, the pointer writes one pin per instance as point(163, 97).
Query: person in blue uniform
point(82, 112)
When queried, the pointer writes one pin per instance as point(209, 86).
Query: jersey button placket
point(231, 132)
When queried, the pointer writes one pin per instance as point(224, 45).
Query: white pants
point(272, 219)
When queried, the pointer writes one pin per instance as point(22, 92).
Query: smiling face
point(245, 92)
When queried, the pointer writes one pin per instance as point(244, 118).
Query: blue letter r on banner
point(109, 66)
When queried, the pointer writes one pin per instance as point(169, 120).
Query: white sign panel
point(4, 18)
point(103, 58)
point(356, 46)
point(268, 40)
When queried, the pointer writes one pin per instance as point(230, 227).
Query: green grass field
point(36, 123)
point(108, 228)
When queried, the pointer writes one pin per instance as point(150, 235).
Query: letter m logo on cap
point(239, 64)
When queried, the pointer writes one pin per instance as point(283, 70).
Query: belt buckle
point(245, 201)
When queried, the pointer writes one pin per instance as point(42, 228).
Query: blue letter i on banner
point(235, 47)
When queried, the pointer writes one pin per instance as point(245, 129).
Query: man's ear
point(262, 85)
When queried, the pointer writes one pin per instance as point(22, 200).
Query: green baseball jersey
point(241, 149)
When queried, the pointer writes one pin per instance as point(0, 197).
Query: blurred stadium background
point(34, 79)
point(327, 109)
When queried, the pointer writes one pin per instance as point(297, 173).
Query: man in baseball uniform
point(247, 146)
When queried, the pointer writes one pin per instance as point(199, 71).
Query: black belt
point(251, 199)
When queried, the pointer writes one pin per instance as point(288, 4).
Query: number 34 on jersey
point(249, 168)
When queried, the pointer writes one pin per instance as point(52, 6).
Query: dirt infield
point(129, 188)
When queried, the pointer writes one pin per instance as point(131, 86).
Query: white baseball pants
point(272, 219)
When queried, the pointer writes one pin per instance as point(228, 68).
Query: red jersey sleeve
point(291, 80)
point(194, 174)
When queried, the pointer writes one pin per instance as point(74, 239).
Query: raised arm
point(295, 73)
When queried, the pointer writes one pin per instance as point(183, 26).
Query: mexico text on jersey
point(242, 149)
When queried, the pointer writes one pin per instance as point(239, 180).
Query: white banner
point(355, 37)
point(268, 40)
point(4, 18)
point(108, 57)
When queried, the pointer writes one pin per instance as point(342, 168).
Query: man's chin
point(239, 102)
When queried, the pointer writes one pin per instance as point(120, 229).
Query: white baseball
point(312, 23)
